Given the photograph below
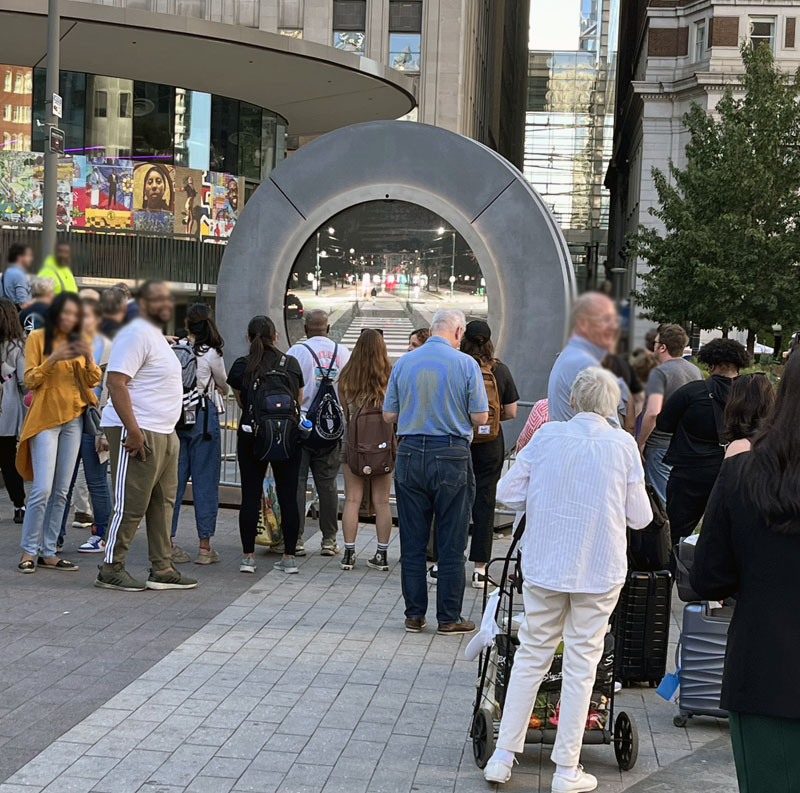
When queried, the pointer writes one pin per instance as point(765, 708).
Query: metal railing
point(129, 255)
point(230, 12)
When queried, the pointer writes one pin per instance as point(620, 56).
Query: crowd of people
point(92, 383)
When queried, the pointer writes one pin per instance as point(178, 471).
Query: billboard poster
point(153, 197)
point(225, 191)
point(79, 191)
point(191, 201)
point(20, 193)
point(63, 190)
point(109, 193)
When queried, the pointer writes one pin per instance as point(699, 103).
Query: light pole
point(323, 255)
point(777, 332)
point(453, 267)
point(50, 198)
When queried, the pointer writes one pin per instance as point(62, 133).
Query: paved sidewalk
point(297, 684)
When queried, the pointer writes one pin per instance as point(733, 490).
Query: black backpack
point(274, 415)
point(325, 413)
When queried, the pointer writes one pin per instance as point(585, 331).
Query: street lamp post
point(50, 198)
point(453, 267)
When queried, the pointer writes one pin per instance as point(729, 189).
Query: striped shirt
point(581, 483)
point(538, 416)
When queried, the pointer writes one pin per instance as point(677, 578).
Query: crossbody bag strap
point(56, 274)
point(333, 359)
point(81, 387)
point(314, 356)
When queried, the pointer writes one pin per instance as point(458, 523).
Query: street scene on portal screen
point(388, 265)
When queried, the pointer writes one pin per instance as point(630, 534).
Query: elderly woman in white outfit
point(581, 483)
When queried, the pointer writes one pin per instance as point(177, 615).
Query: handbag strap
point(81, 386)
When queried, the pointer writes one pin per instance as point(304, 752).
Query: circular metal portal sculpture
point(521, 251)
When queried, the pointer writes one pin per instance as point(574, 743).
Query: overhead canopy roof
point(316, 88)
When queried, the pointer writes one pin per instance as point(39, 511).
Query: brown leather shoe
point(459, 627)
point(415, 624)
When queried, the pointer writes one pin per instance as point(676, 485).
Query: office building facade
point(676, 54)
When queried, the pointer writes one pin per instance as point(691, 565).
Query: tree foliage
point(729, 250)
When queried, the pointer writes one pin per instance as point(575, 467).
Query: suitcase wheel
point(626, 741)
point(681, 720)
point(482, 737)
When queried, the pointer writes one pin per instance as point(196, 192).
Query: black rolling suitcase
point(641, 627)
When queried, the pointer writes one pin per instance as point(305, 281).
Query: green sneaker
point(118, 578)
point(172, 579)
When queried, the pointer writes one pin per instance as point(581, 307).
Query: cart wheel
point(681, 720)
point(626, 741)
point(482, 737)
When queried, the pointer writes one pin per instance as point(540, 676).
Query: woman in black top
point(263, 357)
point(487, 458)
point(694, 416)
point(749, 547)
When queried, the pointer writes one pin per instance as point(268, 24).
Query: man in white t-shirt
point(146, 395)
point(324, 463)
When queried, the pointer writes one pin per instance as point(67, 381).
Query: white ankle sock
point(505, 756)
point(569, 771)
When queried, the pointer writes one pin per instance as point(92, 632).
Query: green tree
point(729, 251)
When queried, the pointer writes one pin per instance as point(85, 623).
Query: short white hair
point(596, 390)
point(42, 287)
point(448, 319)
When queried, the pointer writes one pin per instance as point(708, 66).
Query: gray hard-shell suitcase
point(702, 660)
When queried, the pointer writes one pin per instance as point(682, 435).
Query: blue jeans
point(656, 471)
point(200, 459)
point(53, 454)
point(434, 480)
point(96, 474)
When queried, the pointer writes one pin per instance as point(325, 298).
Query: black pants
point(8, 466)
point(487, 464)
point(687, 496)
point(252, 472)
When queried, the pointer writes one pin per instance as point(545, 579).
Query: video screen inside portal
point(389, 265)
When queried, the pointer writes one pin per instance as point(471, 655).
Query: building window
point(349, 25)
point(72, 88)
point(19, 83)
point(224, 154)
point(6, 112)
point(700, 40)
point(405, 39)
point(762, 31)
point(101, 104)
point(7, 81)
point(125, 105)
point(153, 119)
point(292, 33)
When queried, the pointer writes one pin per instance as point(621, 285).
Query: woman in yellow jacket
point(60, 372)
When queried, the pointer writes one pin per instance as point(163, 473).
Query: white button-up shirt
point(581, 483)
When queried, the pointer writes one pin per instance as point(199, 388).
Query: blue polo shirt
point(16, 286)
point(579, 354)
point(434, 389)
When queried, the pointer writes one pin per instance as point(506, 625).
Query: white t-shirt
point(156, 385)
point(323, 347)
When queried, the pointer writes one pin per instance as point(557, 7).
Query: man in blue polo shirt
point(436, 396)
point(594, 335)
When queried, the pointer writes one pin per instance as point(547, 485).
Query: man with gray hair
point(594, 334)
point(42, 292)
point(436, 396)
point(581, 484)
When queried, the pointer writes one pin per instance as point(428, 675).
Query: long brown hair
point(10, 327)
point(364, 377)
point(200, 324)
point(482, 350)
point(261, 332)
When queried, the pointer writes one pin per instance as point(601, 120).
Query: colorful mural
point(111, 193)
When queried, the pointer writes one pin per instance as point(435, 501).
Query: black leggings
point(8, 466)
point(252, 472)
point(487, 464)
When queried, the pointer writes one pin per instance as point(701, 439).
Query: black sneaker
point(349, 559)
point(172, 579)
point(118, 578)
point(379, 562)
point(60, 542)
point(19, 515)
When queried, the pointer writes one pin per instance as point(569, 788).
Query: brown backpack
point(371, 443)
point(489, 431)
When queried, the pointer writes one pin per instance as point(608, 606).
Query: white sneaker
point(94, 544)
point(248, 565)
point(583, 783)
point(497, 771)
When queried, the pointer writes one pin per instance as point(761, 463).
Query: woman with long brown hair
point(362, 388)
point(487, 457)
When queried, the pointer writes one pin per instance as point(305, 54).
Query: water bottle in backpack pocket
point(274, 415)
point(325, 413)
point(191, 398)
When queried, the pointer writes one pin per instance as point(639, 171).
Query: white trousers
point(582, 620)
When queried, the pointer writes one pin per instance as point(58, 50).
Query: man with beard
point(146, 394)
